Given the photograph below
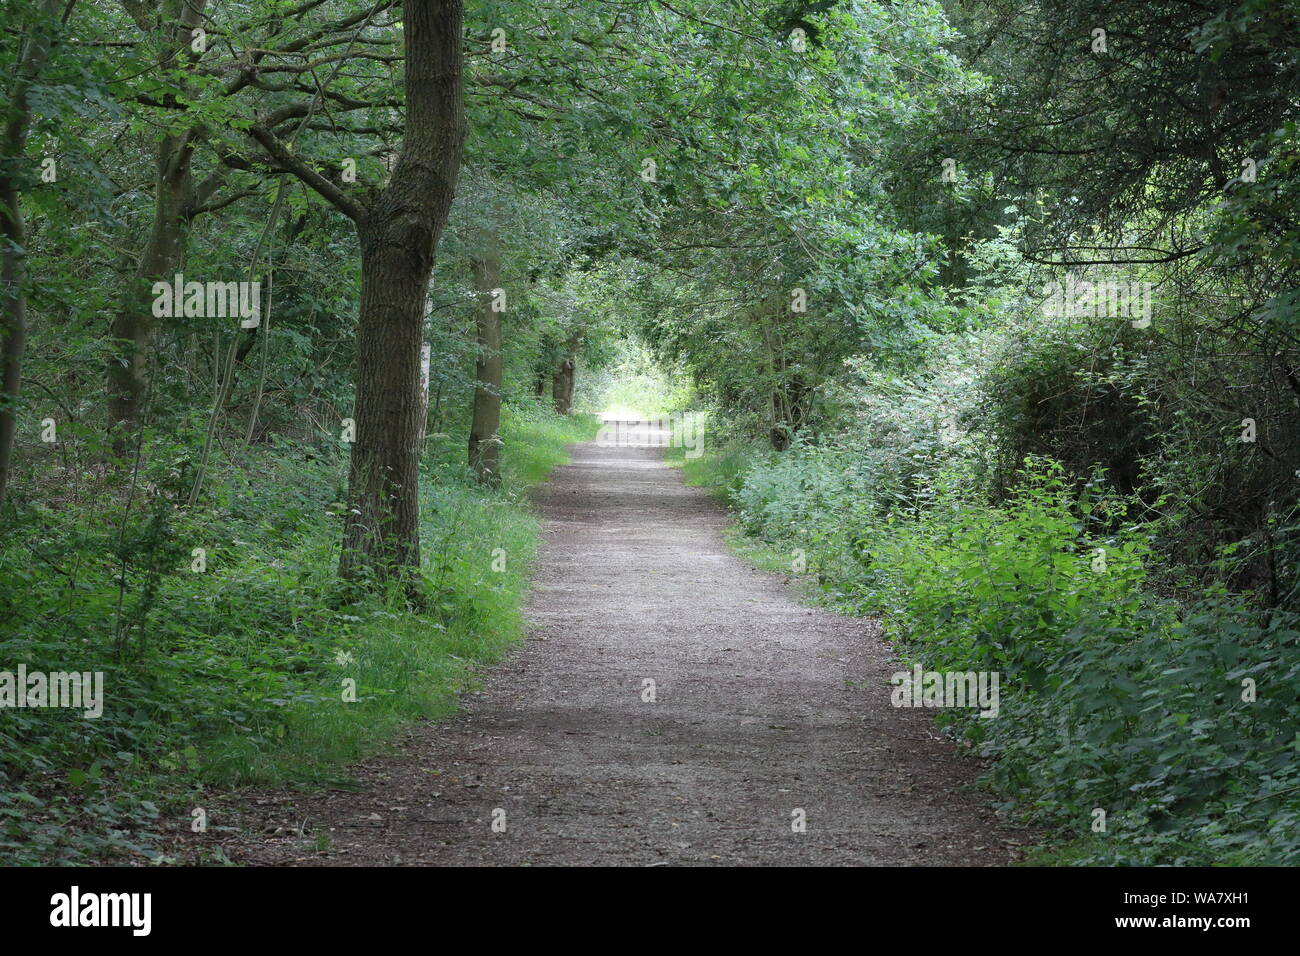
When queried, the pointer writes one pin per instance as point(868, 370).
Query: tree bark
point(562, 386)
point(484, 441)
point(382, 529)
point(563, 379)
point(399, 232)
point(162, 257)
point(13, 230)
point(175, 202)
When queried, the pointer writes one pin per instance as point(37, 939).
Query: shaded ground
point(763, 707)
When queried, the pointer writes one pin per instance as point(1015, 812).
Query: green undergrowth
point(1173, 724)
point(237, 674)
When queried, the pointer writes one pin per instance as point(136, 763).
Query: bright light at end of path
point(621, 413)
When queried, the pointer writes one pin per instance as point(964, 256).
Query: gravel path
point(762, 708)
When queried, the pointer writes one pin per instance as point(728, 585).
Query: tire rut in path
point(763, 706)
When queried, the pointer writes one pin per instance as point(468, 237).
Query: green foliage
point(797, 264)
point(998, 587)
point(233, 675)
point(1113, 696)
point(633, 385)
point(1097, 392)
point(1152, 723)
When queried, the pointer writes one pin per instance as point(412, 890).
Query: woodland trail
point(763, 706)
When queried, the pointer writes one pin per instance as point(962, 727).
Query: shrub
point(1114, 694)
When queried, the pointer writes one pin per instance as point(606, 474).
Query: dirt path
point(762, 707)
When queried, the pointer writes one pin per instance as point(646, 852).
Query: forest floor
point(762, 707)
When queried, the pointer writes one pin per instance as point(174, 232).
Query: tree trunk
point(562, 380)
point(175, 202)
point(13, 230)
point(562, 387)
point(780, 438)
point(399, 232)
point(382, 529)
point(163, 256)
point(484, 442)
point(13, 334)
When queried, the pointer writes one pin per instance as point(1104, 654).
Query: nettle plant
point(1186, 733)
point(999, 585)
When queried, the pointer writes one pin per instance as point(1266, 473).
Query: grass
point(246, 673)
point(718, 470)
point(479, 549)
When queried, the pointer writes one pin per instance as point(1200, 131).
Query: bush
point(1089, 393)
point(1186, 737)
point(998, 587)
point(232, 676)
point(1114, 695)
